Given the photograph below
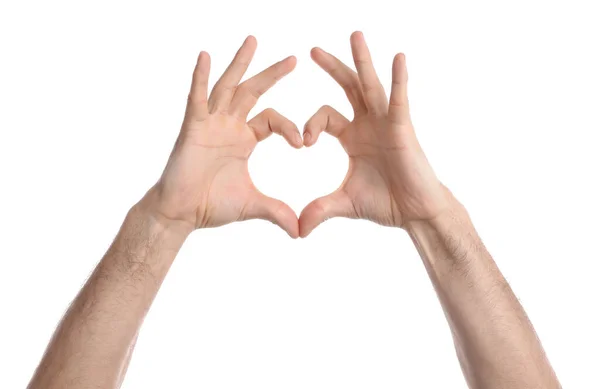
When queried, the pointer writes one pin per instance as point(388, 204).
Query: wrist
point(147, 243)
point(450, 235)
point(442, 209)
point(444, 220)
point(149, 208)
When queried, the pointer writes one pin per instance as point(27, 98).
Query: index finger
point(249, 91)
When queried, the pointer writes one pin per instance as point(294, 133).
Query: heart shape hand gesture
point(206, 181)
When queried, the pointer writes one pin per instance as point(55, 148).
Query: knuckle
point(244, 62)
point(367, 87)
point(246, 91)
point(326, 110)
point(195, 100)
point(279, 208)
point(321, 206)
point(224, 87)
point(242, 88)
point(270, 112)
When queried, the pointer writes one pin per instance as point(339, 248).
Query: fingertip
point(202, 55)
point(298, 141)
point(290, 223)
point(302, 231)
point(399, 71)
point(292, 60)
point(303, 228)
point(294, 233)
point(293, 230)
point(310, 135)
point(357, 36)
point(399, 59)
point(309, 218)
point(286, 219)
point(203, 58)
point(307, 139)
point(315, 52)
point(289, 63)
point(251, 40)
point(292, 135)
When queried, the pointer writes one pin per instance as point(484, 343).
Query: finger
point(399, 112)
point(197, 99)
point(225, 87)
point(270, 121)
point(336, 204)
point(326, 119)
point(248, 92)
point(343, 75)
point(273, 210)
point(373, 92)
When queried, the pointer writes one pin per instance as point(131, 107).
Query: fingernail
point(307, 137)
point(297, 139)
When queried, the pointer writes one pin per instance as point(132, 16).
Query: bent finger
point(326, 119)
point(270, 121)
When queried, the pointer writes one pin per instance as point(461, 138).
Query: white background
point(505, 99)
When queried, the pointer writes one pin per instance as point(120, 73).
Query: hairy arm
point(92, 345)
point(495, 341)
point(390, 182)
point(205, 184)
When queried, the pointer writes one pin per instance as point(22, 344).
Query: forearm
point(495, 341)
point(92, 345)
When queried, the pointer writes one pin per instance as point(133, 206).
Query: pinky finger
point(198, 98)
point(398, 111)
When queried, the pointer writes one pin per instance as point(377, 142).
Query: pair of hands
point(206, 181)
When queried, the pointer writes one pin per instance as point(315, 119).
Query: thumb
point(276, 211)
point(336, 204)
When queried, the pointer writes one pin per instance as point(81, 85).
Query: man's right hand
point(206, 181)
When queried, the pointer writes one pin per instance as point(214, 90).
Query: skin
point(384, 153)
point(206, 181)
point(390, 182)
point(206, 184)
